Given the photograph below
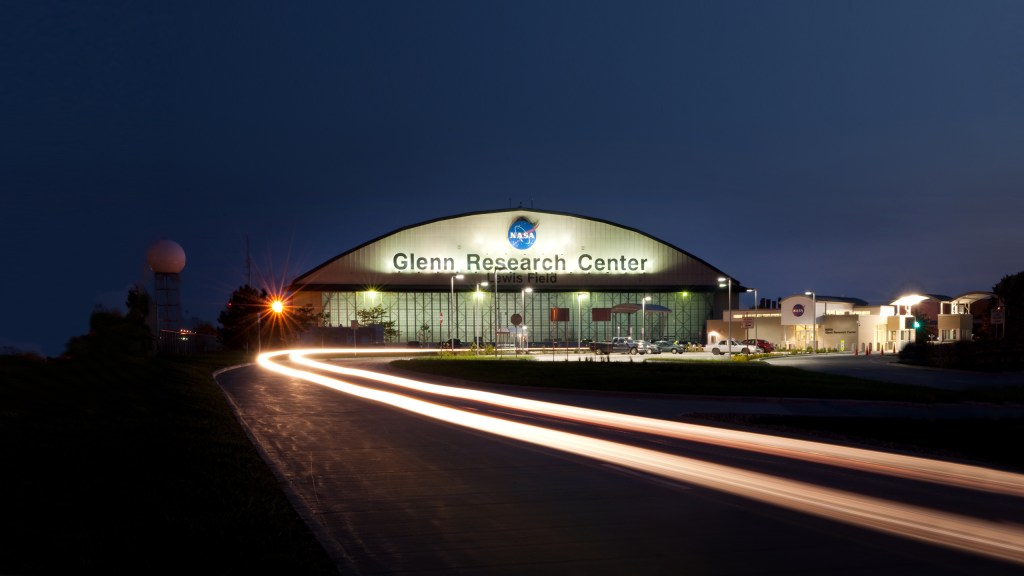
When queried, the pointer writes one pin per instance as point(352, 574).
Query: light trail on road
point(1004, 541)
point(911, 467)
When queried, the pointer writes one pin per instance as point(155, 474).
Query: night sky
point(862, 148)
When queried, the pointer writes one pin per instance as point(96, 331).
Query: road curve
point(977, 536)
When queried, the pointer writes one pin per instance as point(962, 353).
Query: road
point(393, 483)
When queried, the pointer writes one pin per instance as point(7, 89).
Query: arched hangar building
point(516, 275)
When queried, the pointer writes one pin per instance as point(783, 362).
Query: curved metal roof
point(571, 252)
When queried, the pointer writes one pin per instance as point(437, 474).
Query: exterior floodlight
point(579, 318)
point(754, 290)
point(643, 316)
point(476, 312)
point(451, 317)
point(277, 306)
point(728, 283)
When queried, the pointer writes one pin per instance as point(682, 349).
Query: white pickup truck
point(725, 347)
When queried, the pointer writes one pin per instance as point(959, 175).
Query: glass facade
point(431, 317)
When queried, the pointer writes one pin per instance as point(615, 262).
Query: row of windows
point(437, 316)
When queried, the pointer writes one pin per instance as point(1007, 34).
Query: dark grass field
point(137, 467)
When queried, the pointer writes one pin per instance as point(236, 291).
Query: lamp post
point(754, 290)
point(476, 312)
point(728, 282)
point(526, 337)
point(643, 316)
point(579, 319)
point(276, 306)
point(451, 296)
point(497, 313)
point(814, 316)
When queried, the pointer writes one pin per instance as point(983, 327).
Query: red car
point(762, 344)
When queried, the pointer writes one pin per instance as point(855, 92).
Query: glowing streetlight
point(814, 316)
point(497, 313)
point(526, 337)
point(728, 282)
point(643, 315)
point(451, 296)
point(276, 306)
point(579, 318)
point(754, 290)
point(476, 311)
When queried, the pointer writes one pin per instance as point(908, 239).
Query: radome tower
point(166, 259)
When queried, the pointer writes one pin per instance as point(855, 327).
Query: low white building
point(807, 321)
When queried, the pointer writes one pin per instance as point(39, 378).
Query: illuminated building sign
point(522, 234)
point(798, 310)
point(410, 262)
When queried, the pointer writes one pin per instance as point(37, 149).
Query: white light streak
point(1004, 541)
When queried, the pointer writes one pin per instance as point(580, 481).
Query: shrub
point(987, 356)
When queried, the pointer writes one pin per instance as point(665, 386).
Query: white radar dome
point(166, 257)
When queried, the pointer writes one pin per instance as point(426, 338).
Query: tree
point(112, 333)
point(1010, 291)
point(294, 321)
point(375, 315)
point(138, 304)
point(247, 322)
point(239, 319)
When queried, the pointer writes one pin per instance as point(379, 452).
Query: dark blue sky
point(860, 148)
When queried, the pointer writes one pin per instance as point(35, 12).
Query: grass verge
point(138, 466)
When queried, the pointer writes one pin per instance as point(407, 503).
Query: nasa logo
point(522, 234)
point(798, 310)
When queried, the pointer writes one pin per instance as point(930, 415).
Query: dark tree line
point(249, 323)
point(112, 333)
point(1010, 292)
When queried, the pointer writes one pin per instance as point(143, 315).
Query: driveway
point(886, 368)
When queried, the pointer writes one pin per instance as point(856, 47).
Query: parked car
point(669, 346)
point(762, 344)
point(732, 347)
point(447, 344)
point(649, 347)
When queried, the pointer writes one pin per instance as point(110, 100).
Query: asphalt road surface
point(388, 490)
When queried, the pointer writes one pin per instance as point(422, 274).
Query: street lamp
point(643, 316)
point(754, 290)
point(497, 313)
point(814, 316)
point(476, 312)
point(728, 282)
point(526, 337)
point(276, 306)
point(451, 296)
point(579, 318)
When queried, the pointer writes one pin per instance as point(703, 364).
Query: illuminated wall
point(411, 273)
